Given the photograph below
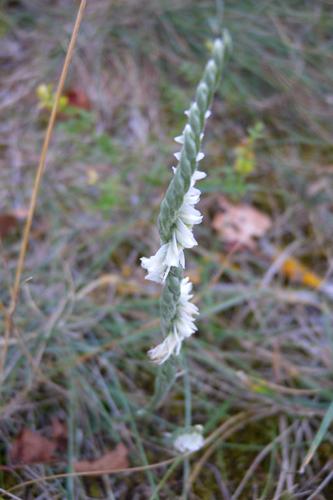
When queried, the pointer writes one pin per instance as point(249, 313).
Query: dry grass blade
point(95, 473)
point(37, 182)
point(9, 495)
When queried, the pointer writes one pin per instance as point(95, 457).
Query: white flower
point(172, 253)
point(184, 234)
point(183, 326)
point(171, 344)
point(207, 114)
point(180, 138)
point(190, 441)
point(177, 155)
point(158, 266)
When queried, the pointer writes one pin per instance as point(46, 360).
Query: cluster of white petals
point(183, 326)
point(190, 441)
point(171, 254)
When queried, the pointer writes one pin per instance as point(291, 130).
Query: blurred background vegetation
point(262, 361)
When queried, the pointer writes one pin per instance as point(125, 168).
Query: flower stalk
point(178, 216)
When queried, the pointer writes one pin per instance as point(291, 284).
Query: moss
point(234, 457)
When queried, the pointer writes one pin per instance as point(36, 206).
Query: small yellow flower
point(92, 176)
point(46, 96)
point(245, 162)
point(245, 158)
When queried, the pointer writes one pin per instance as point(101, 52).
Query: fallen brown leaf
point(31, 447)
point(59, 434)
point(78, 98)
point(9, 222)
point(240, 224)
point(115, 459)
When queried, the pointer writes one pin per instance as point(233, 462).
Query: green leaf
point(326, 422)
